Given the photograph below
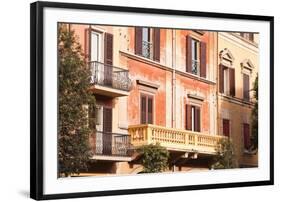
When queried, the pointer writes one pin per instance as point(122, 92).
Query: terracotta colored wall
point(145, 72)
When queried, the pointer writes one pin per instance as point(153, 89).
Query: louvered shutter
point(188, 117)
point(197, 119)
point(108, 59)
point(221, 79)
point(225, 124)
point(138, 41)
point(203, 66)
point(188, 55)
point(246, 87)
point(143, 110)
point(156, 44)
point(108, 49)
point(107, 131)
point(232, 81)
point(150, 110)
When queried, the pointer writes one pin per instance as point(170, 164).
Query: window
point(195, 50)
point(193, 119)
point(227, 80)
point(225, 127)
point(96, 46)
point(248, 36)
point(246, 134)
point(146, 109)
point(195, 57)
point(246, 87)
point(147, 42)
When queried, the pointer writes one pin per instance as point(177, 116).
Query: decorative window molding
point(226, 57)
point(196, 97)
point(247, 65)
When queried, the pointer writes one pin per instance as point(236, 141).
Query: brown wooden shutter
point(87, 47)
point(107, 131)
point(188, 54)
point(197, 119)
point(225, 125)
point(143, 110)
point(246, 87)
point(232, 81)
point(203, 52)
point(156, 44)
point(108, 49)
point(138, 41)
point(108, 59)
point(150, 110)
point(221, 79)
point(188, 117)
point(246, 131)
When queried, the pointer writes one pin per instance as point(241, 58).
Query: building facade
point(163, 85)
point(238, 64)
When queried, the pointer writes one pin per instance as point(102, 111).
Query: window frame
point(147, 96)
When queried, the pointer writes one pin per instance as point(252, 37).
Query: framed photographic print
point(136, 100)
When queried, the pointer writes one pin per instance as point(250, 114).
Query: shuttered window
point(246, 131)
point(193, 118)
point(225, 127)
point(196, 57)
point(246, 87)
point(146, 109)
point(147, 42)
point(227, 80)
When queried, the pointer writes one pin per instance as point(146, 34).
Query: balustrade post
point(149, 135)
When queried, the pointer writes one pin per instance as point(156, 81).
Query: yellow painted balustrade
point(173, 139)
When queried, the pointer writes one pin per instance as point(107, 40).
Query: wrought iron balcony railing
point(195, 67)
point(147, 49)
point(113, 144)
point(110, 76)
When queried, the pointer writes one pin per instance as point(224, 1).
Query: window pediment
point(247, 64)
point(226, 57)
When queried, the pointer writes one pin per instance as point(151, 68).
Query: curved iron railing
point(110, 76)
point(105, 143)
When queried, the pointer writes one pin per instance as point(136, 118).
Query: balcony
point(110, 146)
point(195, 68)
point(147, 49)
point(109, 81)
point(173, 139)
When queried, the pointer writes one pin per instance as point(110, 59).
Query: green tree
point(225, 157)
point(255, 123)
point(154, 158)
point(74, 96)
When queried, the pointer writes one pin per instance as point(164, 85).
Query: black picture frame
point(37, 99)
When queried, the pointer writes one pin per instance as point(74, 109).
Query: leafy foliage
point(255, 124)
point(154, 158)
point(225, 157)
point(74, 83)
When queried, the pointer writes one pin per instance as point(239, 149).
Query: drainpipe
point(174, 78)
